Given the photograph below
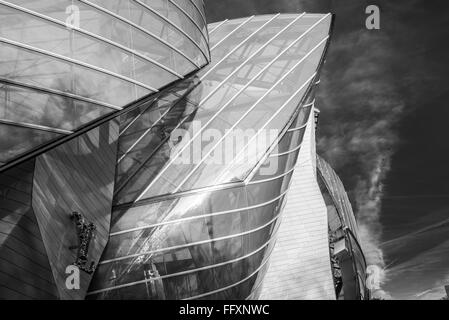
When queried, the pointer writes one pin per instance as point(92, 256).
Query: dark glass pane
point(16, 140)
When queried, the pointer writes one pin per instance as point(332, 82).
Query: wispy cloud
point(361, 106)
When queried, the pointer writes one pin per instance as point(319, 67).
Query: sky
point(383, 127)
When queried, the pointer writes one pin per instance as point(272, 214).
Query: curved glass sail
point(258, 76)
point(203, 168)
point(66, 63)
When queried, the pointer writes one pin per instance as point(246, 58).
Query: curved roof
point(338, 194)
point(66, 63)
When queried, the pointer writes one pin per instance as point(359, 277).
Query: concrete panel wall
point(25, 271)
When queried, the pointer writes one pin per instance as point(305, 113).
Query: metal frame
point(191, 244)
point(196, 25)
point(218, 26)
point(92, 35)
point(35, 126)
point(174, 26)
point(257, 102)
point(57, 92)
point(251, 175)
point(134, 120)
point(286, 173)
point(248, 59)
point(265, 157)
point(139, 28)
point(155, 123)
point(77, 62)
point(238, 46)
point(286, 152)
point(235, 96)
point(297, 128)
point(199, 11)
point(130, 284)
point(232, 32)
point(46, 146)
point(274, 144)
point(213, 214)
point(234, 284)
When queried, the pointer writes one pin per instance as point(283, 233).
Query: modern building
point(173, 181)
point(66, 63)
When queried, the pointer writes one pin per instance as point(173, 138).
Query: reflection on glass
point(14, 140)
point(119, 52)
point(171, 238)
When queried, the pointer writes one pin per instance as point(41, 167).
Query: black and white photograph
point(246, 152)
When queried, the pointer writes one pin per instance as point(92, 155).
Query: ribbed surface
point(76, 176)
point(25, 271)
point(66, 63)
point(338, 193)
point(260, 71)
point(212, 244)
point(300, 263)
point(36, 200)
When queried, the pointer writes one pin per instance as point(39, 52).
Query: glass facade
point(204, 229)
point(186, 186)
point(253, 85)
point(66, 63)
point(38, 237)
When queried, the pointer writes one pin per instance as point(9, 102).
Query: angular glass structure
point(188, 225)
point(66, 63)
point(173, 185)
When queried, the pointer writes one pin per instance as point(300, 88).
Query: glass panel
point(15, 140)
point(103, 55)
point(193, 13)
point(240, 291)
point(54, 111)
point(153, 150)
point(191, 258)
point(120, 7)
point(185, 24)
point(211, 172)
point(53, 9)
point(276, 166)
point(36, 32)
point(250, 45)
point(24, 105)
point(197, 282)
point(163, 211)
point(105, 25)
point(159, 27)
point(265, 191)
point(176, 17)
point(238, 105)
point(35, 69)
point(102, 87)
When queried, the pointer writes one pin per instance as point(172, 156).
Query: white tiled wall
point(300, 263)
